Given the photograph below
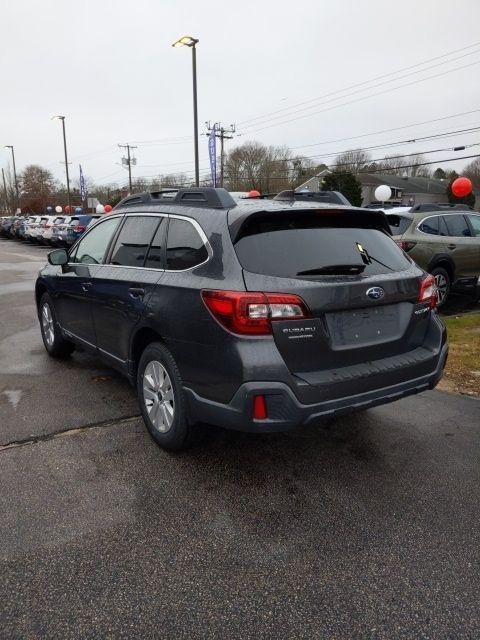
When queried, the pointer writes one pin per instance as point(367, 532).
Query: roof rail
point(434, 206)
point(207, 197)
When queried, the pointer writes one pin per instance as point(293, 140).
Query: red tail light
point(252, 313)
point(428, 291)
point(79, 227)
point(406, 245)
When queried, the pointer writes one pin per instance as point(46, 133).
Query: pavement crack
point(61, 433)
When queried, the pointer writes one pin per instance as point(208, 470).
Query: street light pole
point(5, 190)
point(188, 41)
point(62, 118)
point(9, 146)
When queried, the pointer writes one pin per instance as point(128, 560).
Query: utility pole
point(5, 189)
point(222, 133)
point(129, 161)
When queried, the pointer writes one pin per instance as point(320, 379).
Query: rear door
point(123, 286)
point(360, 287)
point(474, 220)
point(461, 245)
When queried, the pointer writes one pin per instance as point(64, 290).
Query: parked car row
point(56, 231)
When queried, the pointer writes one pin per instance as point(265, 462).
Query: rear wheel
point(54, 342)
point(443, 283)
point(161, 398)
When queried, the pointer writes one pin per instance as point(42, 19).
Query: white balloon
point(383, 193)
point(100, 208)
point(58, 209)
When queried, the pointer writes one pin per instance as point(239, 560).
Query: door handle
point(136, 292)
point(86, 286)
point(451, 246)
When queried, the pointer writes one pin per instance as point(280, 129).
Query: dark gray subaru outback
point(257, 316)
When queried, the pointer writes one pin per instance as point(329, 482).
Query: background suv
point(257, 316)
point(443, 240)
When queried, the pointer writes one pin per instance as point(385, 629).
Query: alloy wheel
point(158, 396)
point(442, 288)
point(47, 324)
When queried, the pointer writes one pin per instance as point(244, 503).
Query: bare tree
point(255, 166)
point(472, 171)
point(405, 166)
point(37, 188)
point(355, 161)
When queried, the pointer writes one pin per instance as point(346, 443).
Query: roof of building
point(407, 184)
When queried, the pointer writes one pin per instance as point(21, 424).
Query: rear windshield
point(307, 246)
point(398, 224)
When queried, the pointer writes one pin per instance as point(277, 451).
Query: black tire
point(443, 282)
point(179, 434)
point(55, 344)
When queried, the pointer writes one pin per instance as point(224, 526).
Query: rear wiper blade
point(334, 269)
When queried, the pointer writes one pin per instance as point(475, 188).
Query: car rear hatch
point(361, 290)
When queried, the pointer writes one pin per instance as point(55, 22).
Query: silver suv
point(443, 240)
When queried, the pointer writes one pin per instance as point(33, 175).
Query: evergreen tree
point(346, 183)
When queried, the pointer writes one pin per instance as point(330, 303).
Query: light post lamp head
point(57, 118)
point(185, 41)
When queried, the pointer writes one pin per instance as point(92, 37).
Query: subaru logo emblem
point(375, 293)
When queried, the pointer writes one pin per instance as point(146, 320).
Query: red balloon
point(108, 208)
point(461, 187)
point(67, 209)
point(253, 193)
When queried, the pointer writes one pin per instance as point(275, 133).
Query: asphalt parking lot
point(366, 527)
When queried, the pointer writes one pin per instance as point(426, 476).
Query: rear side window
point(315, 246)
point(398, 224)
point(431, 226)
point(156, 253)
point(457, 226)
point(185, 247)
point(132, 244)
point(475, 222)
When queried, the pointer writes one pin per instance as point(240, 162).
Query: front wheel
point(161, 398)
point(443, 284)
point(54, 342)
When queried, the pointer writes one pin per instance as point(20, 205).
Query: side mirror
point(58, 257)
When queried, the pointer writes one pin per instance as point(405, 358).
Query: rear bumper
point(285, 411)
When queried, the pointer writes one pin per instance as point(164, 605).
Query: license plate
point(362, 326)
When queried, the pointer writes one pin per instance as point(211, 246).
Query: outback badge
point(375, 293)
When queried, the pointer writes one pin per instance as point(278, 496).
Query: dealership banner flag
point(212, 152)
point(83, 191)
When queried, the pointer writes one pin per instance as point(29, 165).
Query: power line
point(374, 133)
point(343, 104)
point(363, 83)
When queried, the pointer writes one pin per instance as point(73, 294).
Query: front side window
point(185, 247)
point(475, 222)
point(92, 248)
point(132, 244)
point(457, 226)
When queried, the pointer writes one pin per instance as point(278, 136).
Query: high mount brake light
point(428, 291)
point(247, 313)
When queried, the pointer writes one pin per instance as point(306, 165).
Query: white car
point(49, 226)
point(32, 226)
point(45, 224)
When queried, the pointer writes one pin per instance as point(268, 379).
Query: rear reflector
point(79, 227)
point(252, 313)
point(259, 408)
point(428, 291)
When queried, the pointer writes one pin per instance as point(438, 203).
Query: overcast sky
point(110, 68)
